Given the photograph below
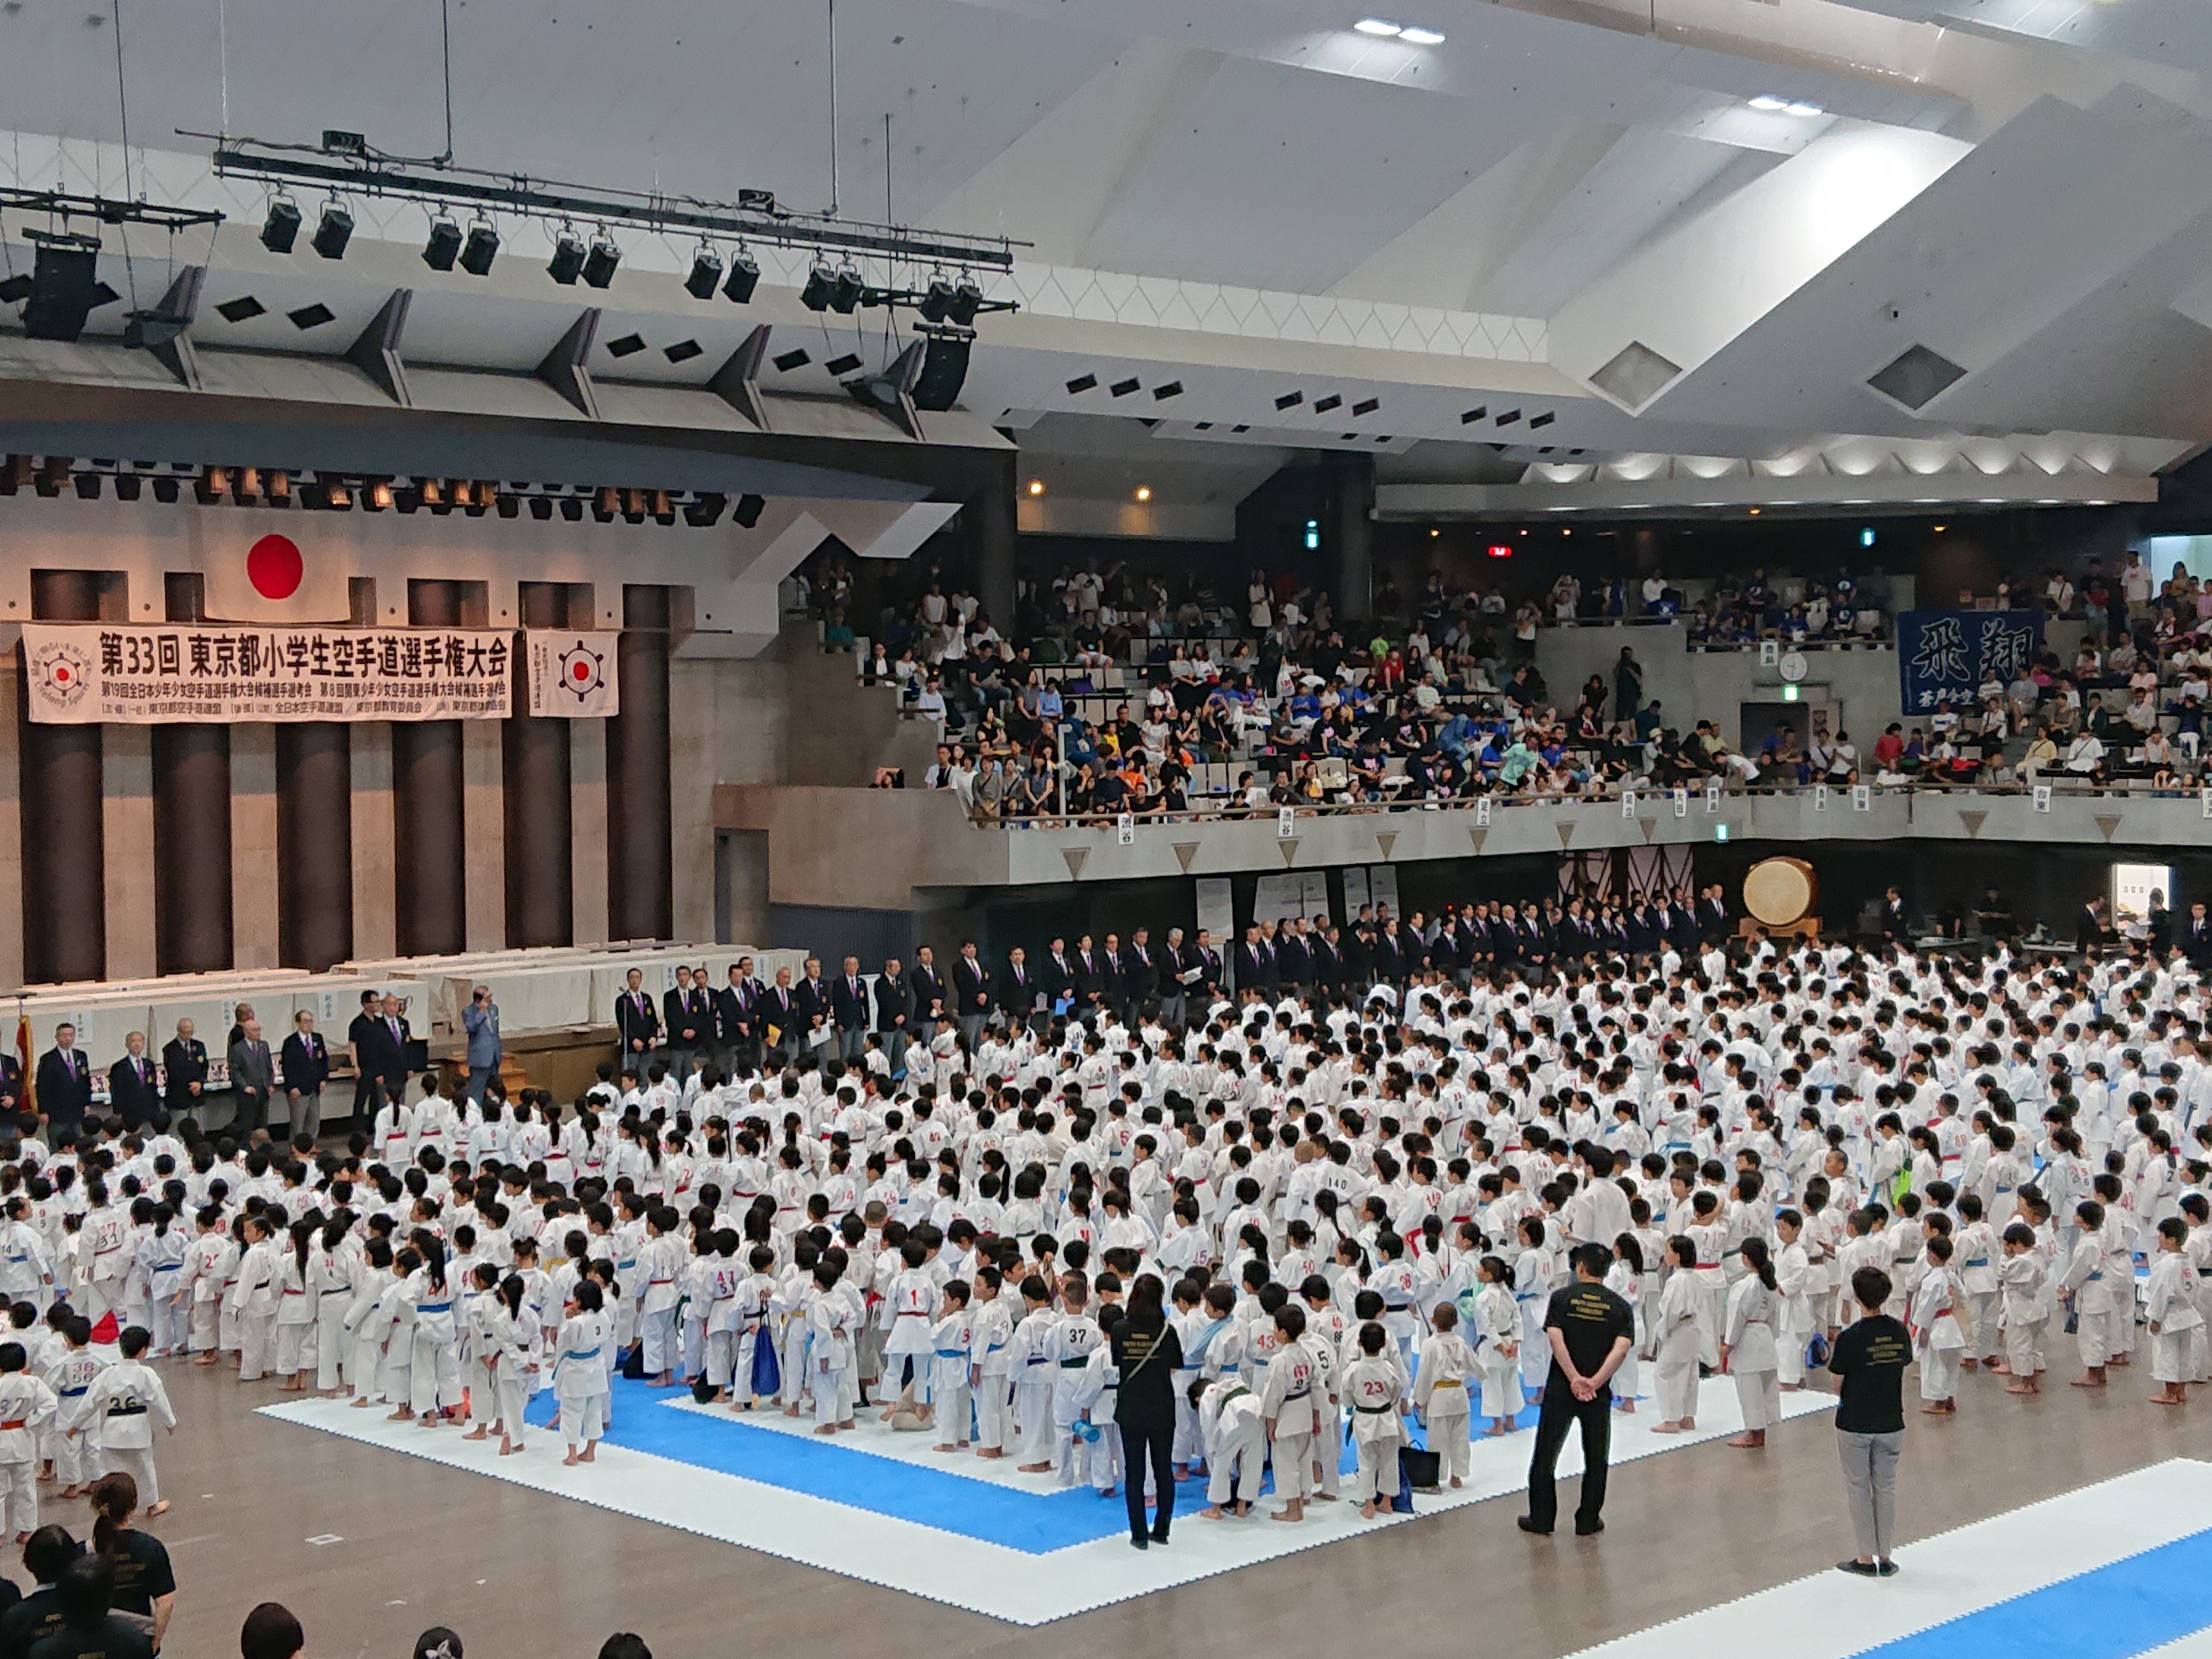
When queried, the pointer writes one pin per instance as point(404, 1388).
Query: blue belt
point(584, 1353)
point(1525, 1296)
point(952, 1353)
point(624, 1267)
point(433, 1308)
point(19, 1260)
point(1978, 1261)
point(70, 1393)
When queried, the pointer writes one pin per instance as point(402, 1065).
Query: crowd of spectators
point(1123, 692)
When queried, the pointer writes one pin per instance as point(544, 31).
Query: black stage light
point(128, 486)
point(706, 275)
point(965, 300)
point(846, 295)
point(165, 491)
point(444, 246)
point(744, 277)
point(335, 231)
point(749, 511)
point(706, 510)
point(541, 506)
point(572, 509)
point(481, 249)
point(14, 290)
point(820, 282)
point(567, 262)
point(599, 263)
point(87, 486)
point(282, 227)
point(937, 303)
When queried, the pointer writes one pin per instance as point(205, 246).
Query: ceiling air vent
point(1917, 378)
point(1635, 376)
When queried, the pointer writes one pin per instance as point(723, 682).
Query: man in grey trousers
point(1868, 1362)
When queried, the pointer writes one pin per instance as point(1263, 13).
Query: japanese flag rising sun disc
point(274, 577)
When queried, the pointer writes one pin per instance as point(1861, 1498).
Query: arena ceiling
point(1675, 240)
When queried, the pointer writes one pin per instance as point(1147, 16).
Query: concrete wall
point(872, 849)
point(1860, 684)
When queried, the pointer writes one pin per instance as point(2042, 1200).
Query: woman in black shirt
point(143, 1583)
point(1146, 1352)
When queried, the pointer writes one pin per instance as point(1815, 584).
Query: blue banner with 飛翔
point(1947, 654)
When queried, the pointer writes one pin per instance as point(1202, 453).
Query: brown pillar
point(540, 820)
point(429, 806)
point(314, 844)
point(65, 883)
point(641, 902)
point(192, 848)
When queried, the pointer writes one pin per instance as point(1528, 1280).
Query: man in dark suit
point(1140, 970)
point(363, 1048)
point(185, 1067)
point(781, 1020)
point(895, 1012)
point(253, 1078)
point(1017, 987)
point(637, 1023)
point(972, 988)
point(687, 1022)
point(1321, 946)
point(735, 1026)
point(130, 1091)
point(1176, 959)
point(11, 1090)
point(64, 1084)
point(1207, 985)
point(1113, 972)
point(307, 1061)
point(1293, 957)
point(929, 1003)
point(813, 999)
point(1251, 961)
point(2088, 936)
point(1056, 973)
point(1713, 915)
point(2196, 937)
point(1894, 924)
point(1089, 978)
point(849, 1008)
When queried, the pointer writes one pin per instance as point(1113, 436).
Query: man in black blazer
point(781, 1018)
point(1894, 927)
point(637, 1023)
point(813, 996)
point(929, 1002)
point(895, 1012)
point(131, 1094)
point(64, 1085)
point(1140, 970)
point(1056, 973)
point(185, 1068)
point(689, 1026)
point(1113, 976)
point(1090, 970)
point(1019, 988)
point(735, 1005)
point(2196, 939)
point(849, 1006)
point(971, 989)
point(307, 1063)
point(252, 1077)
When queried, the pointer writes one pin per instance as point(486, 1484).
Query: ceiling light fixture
point(1376, 27)
point(1416, 37)
point(744, 277)
point(481, 249)
point(333, 233)
point(444, 246)
point(1036, 486)
point(1143, 492)
point(1768, 104)
point(599, 263)
point(1803, 109)
point(567, 262)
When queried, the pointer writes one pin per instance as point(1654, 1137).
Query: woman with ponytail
point(434, 1376)
point(145, 1589)
point(1748, 1348)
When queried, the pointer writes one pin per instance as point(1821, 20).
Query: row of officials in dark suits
point(745, 1017)
point(273, 1086)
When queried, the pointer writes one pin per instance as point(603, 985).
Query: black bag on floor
point(1424, 1471)
point(703, 1390)
point(1403, 1503)
point(633, 1366)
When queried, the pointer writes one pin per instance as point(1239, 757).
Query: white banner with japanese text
point(189, 673)
point(572, 676)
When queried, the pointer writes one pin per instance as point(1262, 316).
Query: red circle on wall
point(275, 567)
point(579, 671)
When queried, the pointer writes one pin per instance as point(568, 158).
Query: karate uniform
point(27, 1405)
point(120, 1408)
point(2171, 1305)
point(1286, 1400)
point(1371, 1386)
point(1937, 1335)
point(1753, 1360)
point(1440, 1396)
point(1679, 1340)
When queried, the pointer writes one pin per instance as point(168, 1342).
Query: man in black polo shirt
point(1868, 1362)
point(1591, 1331)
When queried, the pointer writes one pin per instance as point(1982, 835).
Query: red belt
point(15, 1423)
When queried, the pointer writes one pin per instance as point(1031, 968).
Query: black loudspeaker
point(65, 286)
point(944, 369)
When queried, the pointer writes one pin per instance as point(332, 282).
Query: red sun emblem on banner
point(583, 671)
point(275, 567)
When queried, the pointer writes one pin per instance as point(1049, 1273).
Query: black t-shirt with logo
point(1869, 1361)
point(1591, 1319)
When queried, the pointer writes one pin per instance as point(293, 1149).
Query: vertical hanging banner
point(571, 676)
point(87, 674)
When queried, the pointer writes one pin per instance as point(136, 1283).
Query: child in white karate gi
point(2020, 1315)
point(1748, 1348)
point(952, 1366)
point(1677, 1332)
point(1234, 1442)
point(1498, 1327)
point(992, 1377)
point(1936, 1336)
point(1286, 1402)
point(580, 1374)
point(27, 1405)
point(1440, 1393)
point(119, 1412)
point(829, 1351)
point(2173, 1313)
point(1029, 1362)
point(1371, 1385)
